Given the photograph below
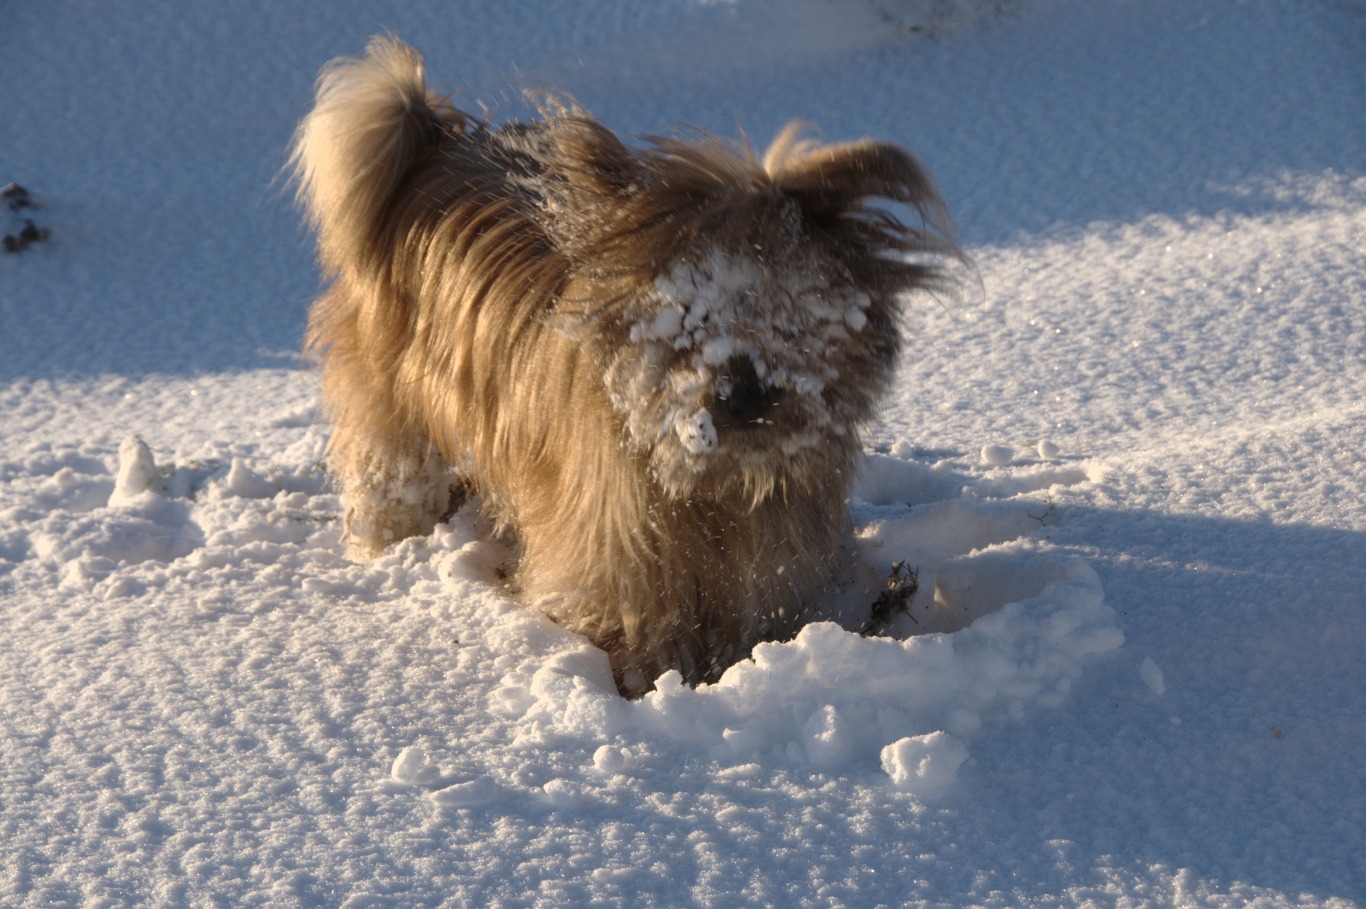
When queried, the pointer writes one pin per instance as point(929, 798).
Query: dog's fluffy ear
point(837, 187)
point(592, 178)
point(836, 180)
point(589, 157)
point(590, 166)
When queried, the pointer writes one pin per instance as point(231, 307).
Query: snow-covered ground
point(1128, 465)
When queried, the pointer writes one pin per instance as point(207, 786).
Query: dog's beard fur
point(651, 363)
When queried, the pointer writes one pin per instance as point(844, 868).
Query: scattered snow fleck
point(411, 766)
point(610, 759)
point(996, 455)
point(469, 794)
point(697, 432)
point(667, 324)
point(562, 793)
point(1151, 674)
point(242, 482)
point(717, 350)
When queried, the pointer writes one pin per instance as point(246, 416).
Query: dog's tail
point(371, 121)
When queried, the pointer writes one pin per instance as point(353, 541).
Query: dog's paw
point(975, 543)
point(894, 600)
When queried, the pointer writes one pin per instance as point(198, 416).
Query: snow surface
point(1129, 471)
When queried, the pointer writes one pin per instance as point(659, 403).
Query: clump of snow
point(137, 472)
point(1152, 676)
point(924, 764)
point(997, 455)
point(241, 481)
point(610, 759)
point(468, 794)
point(697, 432)
point(412, 766)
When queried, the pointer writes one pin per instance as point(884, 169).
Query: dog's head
point(744, 313)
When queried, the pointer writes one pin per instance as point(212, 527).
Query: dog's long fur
point(651, 363)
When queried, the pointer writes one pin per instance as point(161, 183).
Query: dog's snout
point(744, 397)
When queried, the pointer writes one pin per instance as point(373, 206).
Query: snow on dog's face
point(743, 314)
point(734, 370)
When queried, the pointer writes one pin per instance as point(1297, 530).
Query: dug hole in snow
point(1003, 623)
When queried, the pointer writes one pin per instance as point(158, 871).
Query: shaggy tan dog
point(650, 363)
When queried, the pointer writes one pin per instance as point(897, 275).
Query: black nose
point(744, 397)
